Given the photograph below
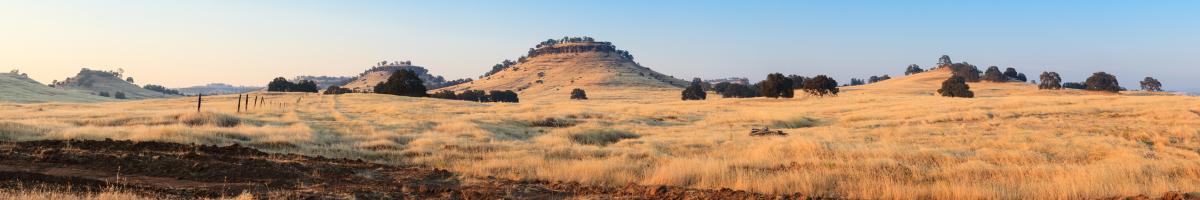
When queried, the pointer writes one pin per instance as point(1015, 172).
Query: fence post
point(199, 101)
point(239, 102)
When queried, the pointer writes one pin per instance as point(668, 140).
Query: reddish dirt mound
point(188, 171)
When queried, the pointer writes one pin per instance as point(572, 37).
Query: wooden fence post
point(199, 101)
point(239, 102)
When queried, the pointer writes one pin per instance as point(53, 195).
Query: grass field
point(893, 140)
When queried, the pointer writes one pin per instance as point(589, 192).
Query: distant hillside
point(324, 81)
point(557, 66)
point(217, 88)
point(367, 81)
point(100, 82)
point(16, 87)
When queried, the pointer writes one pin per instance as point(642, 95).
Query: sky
point(185, 43)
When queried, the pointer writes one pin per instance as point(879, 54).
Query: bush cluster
point(281, 84)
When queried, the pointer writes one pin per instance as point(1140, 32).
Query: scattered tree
point(993, 74)
point(821, 85)
point(739, 91)
point(578, 94)
point(333, 89)
point(129, 79)
point(119, 95)
point(694, 92)
point(473, 95)
point(956, 86)
point(1151, 84)
point(104, 94)
point(913, 69)
point(797, 81)
point(1101, 81)
point(279, 84)
point(503, 96)
point(856, 81)
point(777, 86)
point(968, 72)
point(1050, 81)
point(403, 83)
point(944, 61)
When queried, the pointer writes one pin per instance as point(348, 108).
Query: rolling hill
point(19, 88)
point(557, 66)
point(95, 81)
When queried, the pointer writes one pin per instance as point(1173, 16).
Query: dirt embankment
point(190, 171)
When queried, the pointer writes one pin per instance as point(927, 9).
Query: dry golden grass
point(41, 193)
point(874, 142)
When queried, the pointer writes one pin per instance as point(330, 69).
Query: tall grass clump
point(601, 137)
point(207, 118)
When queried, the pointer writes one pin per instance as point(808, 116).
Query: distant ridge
point(217, 88)
point(557, 66)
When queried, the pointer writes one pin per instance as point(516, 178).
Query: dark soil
point(196, 171)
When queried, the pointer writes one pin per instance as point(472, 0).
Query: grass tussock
point(208, 118)
point(800, 122)
point(601, 137)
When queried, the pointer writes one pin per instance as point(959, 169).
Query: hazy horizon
point(189, 43)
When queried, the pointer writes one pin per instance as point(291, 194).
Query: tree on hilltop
point(1101, 81)
point(1151, 84)
point(1050, 81)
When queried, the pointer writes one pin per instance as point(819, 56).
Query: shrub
point(503, 96)
point(821, 85)
point(1050, 81)
point(104, 94)
point(694, 91)
point(403, 83)
point(1101, 81)
point(993, 74)
point(1151, 84)
point(601, 137)
point(739, 91)
point(578, 94)
point(956, 86)
point(913, 69)
point(333, 89)
point(776, 86)
point(119, 95)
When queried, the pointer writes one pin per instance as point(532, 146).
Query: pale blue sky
point(184, 43)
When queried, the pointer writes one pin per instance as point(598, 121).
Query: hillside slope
point(558, 67)
point(95, 82)
point(21, 89)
